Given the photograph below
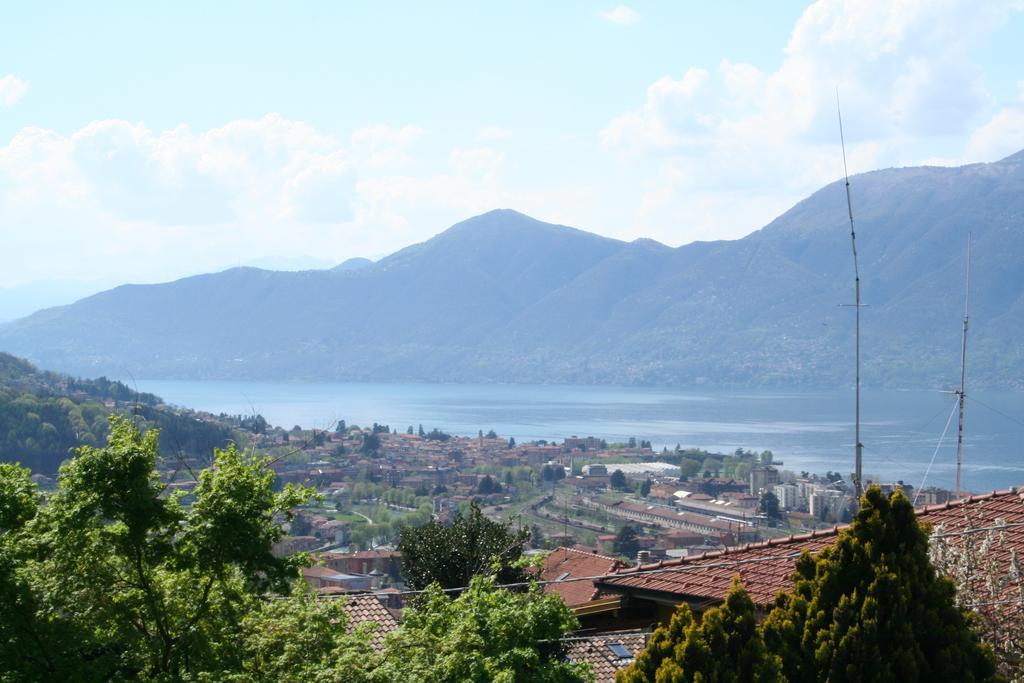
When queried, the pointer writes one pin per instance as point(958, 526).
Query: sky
point(144, 142)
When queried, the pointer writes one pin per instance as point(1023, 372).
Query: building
point(766, 568)
point(589, 443)
point(322, 578)
point(638, 471)
point(564, 566)
point(388, 562)
point(762, 478)
point(704, 504)
point(827, 504)
point(290, 545)
point(788, 495)
point(669, 518)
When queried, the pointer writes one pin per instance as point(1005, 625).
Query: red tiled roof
point(603, 660)
point(766, 568)
point(569, 563)
point(367, 608)
point(990, 510)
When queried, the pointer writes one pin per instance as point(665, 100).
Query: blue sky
point(146, 141)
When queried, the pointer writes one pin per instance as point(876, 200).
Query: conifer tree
point(872, 608)
point(723, 646)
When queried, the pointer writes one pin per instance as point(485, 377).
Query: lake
point(808, 430)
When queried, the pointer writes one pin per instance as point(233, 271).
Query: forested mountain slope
point(45, 415)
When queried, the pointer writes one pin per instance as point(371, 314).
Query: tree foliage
point(451, 555)
point(625, 542)
point(724, 645)
point(485, 634)
point(872, 607)
point(120, 581)
point(44, 416)
point(488, 486)
point(301, 638)
point(769, 505)
point(988, 584)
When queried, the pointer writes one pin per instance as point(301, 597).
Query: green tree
point(645, 488)
point(872, 608)
point(537, 539)
point(301, 638)
point(485, 634)
point(371, 443)
point(122, 582)
point(452, 555)
point(488, 486)
point(724, 645)
point(19, 499)
point(625, 542)
point(618, 480)
point(769, 505)
point(689, 468)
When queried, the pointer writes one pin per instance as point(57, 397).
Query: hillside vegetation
point(45, 415)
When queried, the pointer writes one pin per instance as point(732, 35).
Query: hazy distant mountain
point(287, 263)
point(21, 300)
point(503, 297)
point(354, 263)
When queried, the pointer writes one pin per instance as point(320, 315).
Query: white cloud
point(492, 133)
point(418, 206)
point(621, 14)
point(383, 146)
point(906, 78)
point(151, 205)
point(1001, 135)
point(12, 89)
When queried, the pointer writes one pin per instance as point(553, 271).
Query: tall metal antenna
point(858, 447)
point(961, 394)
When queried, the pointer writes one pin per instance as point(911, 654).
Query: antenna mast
point(858, 447)
point(961, 394)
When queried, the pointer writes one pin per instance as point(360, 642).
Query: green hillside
point(45, 415)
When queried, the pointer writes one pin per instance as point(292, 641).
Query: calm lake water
point(808, 430)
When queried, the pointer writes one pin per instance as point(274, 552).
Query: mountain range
point(503, 297)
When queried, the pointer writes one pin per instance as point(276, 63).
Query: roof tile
point(766, 568)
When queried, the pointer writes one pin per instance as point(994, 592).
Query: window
point(620, 651)
point(563, 576)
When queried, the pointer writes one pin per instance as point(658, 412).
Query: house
point(562, 564)
point(652, 591)
point(388, 562)
point(290, 545)
point(327, 579)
